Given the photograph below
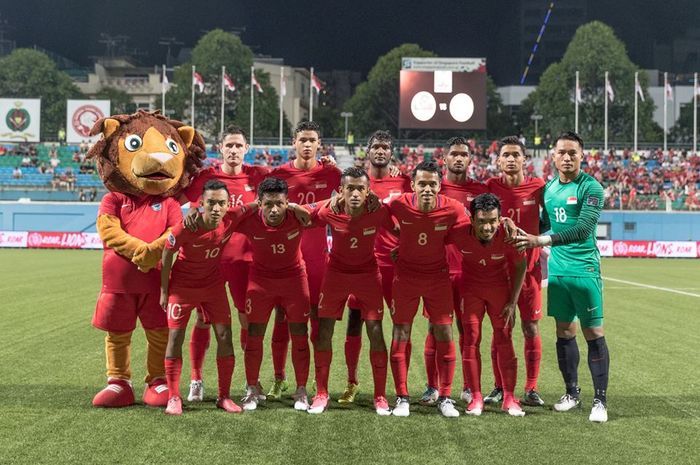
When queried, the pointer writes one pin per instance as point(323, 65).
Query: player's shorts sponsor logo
point(572, 200)
point(157, 207)
point(369, 231)
point(497, 256)
point(84, 118)
point(529, 202)
point(171, 240)
point(440, 227)
point(293, 234)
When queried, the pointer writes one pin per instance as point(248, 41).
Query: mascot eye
point(133, 143)
point(172, 146)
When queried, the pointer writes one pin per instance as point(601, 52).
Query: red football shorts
point(366, 290)
point(530, 299)
point(455, 280)
point(292, 294)
point(118, 312)
point(435, 290)
point(236, 275)
point(315, 268)
point(484, 299)
point(211, 303)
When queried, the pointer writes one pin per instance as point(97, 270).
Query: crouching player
point(352, 270)
point(277, 278)
point(196, 282)
point(487, 288)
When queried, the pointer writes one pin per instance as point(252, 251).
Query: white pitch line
point(649, 286)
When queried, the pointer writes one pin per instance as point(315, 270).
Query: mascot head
point(146, 153)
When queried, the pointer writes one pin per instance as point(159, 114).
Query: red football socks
point(497, 381)
point(253, 359)
point(225, 366)
point(399, 366)
point(322, 362)
point(301, 357)
point(378, 360)
point(353, 346)
point(173, 370)
point(199, 343)
point(431, 361)
point(280, 345)
point(446, 357)
point(533, 355)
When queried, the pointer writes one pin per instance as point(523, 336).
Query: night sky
point(330, 34)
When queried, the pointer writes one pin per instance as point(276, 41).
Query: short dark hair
point(232, 130)
point(380, 135)
point(569, 135)
point(307, 126)
point(271, 185)
point(458, 140)
point(354, 172)
point(484, 202)
point(214, 185)
point(428, 165)
point(511, 140)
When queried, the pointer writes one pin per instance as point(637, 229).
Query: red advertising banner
point(649, 249)
point(50, 240)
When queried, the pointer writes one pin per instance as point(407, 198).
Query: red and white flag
point(697, 88)
point(609, 91)
point(228, 83)
point(198, 81)
point(165, 84)
point(316, 83)
point(638, 88)
point(578, 93)
point(254, 82)
point(669, 92)
point(283, 89)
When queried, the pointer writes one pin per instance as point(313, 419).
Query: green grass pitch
point(52, 363)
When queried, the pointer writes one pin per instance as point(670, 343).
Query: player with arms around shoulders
point(573, 201)
point(487, 287)
point(196, 282)
point(521, 198)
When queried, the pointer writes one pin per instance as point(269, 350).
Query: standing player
point(455, 185)
point(196, 282)
point(386, 187)
point(241, 181)
point(352, 270)
point(308, 181)
point(521, 199)
point(574, 200)
point(488, 288)
point(277, 278)
point(425, 219)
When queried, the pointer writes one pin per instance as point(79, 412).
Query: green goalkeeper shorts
point(571, 298)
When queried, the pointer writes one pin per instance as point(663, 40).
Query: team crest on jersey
point(369, 231)
point(497, 257)
point(321, 185)
point(529, 202)
point(440, 227)
point(571, 200)
point(293, 234)
point(171, 240)
point(157, 207)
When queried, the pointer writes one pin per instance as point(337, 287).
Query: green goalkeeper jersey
point(571, 212)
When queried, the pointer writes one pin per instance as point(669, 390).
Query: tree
point(593, 50)
point(375, 104)
point(215, 49)
point(120, 101)
point(499, 122)
point(682, 131)
point(27, 73)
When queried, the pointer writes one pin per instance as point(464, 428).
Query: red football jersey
point(388, 188)
point(198, 261)
point(145, 218)
point(276, 251)
point(242, 189)
point(423, 235)
point(485, 263)
point(522, 204)
point(464, 193)
point(353, 237)
point(310, 186)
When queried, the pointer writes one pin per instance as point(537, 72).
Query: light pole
point(536, 118)
point(346, 115)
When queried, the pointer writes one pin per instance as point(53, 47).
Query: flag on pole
point(254, 82)
point(228, 83)
point(609, 90)
point(283, 87)
point(578, 93)
point(316, 83)
point(638, 88)
point(198, 81)
point(165, 84)
point(669, 92)
point(697, 88)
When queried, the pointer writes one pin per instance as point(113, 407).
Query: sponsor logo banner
point(50, 240)
point(81, 115)
point(651, 249)
point(13, 239)
point(20, 119)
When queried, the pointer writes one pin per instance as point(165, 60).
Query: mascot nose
point(161, 156)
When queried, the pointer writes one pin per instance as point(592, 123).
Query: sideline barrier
point(650, 249)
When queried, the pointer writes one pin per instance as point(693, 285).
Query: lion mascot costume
point(145, 160)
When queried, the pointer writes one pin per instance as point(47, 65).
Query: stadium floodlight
point(346, 115)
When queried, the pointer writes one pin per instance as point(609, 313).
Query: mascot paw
point(146, 259)
point(156, 393)
point(118, 393)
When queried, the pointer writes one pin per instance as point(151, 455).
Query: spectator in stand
point(26, 161)
point(82, 196)
point(17, 173)
point(93, 194)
